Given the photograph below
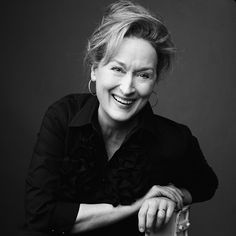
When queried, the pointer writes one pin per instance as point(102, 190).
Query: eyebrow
point(138, 70)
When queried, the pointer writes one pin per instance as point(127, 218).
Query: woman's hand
point(154, 212)
point(170, 191)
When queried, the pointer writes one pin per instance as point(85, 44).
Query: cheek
point(105, 80)
point(104, 86)
point(145, 90)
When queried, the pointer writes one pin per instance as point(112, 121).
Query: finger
point(151, 214)
point(169, 212)
point(153, 192)
point(164, 191)
point(177, 189)
point(177, 194)
point(161, 212)
point(158, 191)
point(142, 217)
point(172, 195)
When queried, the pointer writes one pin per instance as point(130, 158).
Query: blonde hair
point(128, 19)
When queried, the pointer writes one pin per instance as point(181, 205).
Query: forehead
point(136, 52)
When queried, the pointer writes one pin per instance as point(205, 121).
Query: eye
point(117, 69)
point(144, 75)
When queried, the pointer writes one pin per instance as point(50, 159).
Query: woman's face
point(124, 85)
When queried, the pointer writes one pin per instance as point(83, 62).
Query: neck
point(114, 136)
point(114, 133)
point(115, 130)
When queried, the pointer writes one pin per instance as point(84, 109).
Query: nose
point(127, 84)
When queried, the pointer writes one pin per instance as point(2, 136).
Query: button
point(52, 230)
point(62, 232)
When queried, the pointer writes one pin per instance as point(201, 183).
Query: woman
point(105, 164)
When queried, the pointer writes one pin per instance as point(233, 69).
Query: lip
point(123, 101)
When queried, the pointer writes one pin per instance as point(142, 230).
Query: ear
point(93, 73)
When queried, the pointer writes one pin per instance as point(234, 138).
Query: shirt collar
point(88, 115)
point(147, 119)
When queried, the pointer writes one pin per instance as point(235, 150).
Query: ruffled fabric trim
point(78, 177)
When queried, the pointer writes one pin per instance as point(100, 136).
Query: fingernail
point(141, 230)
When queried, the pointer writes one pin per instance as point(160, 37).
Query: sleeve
point(194, 173)
point(44, 211)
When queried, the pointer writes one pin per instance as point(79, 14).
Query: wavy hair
point(128, 19)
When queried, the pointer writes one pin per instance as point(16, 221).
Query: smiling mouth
point(123, 101)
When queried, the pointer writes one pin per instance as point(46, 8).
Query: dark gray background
point(42, 53)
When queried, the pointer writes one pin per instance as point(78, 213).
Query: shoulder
point(65, 108)
point(171, 133)
point(165, 125)
point(75, 101)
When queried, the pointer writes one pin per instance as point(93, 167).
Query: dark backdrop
point(42, 58)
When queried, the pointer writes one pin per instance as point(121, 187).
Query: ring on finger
point(163, 210)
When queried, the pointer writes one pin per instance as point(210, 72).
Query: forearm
point(92, 216)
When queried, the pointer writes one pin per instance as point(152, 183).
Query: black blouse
point(70, 166)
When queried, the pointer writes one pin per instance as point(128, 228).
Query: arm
point(44, 211)
point(92, 216)
point(194, 173)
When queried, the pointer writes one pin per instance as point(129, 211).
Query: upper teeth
point(123, 101)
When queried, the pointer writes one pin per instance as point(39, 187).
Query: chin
point(121, 117)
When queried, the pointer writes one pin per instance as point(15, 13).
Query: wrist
point(127, 209)
point(135, 206)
